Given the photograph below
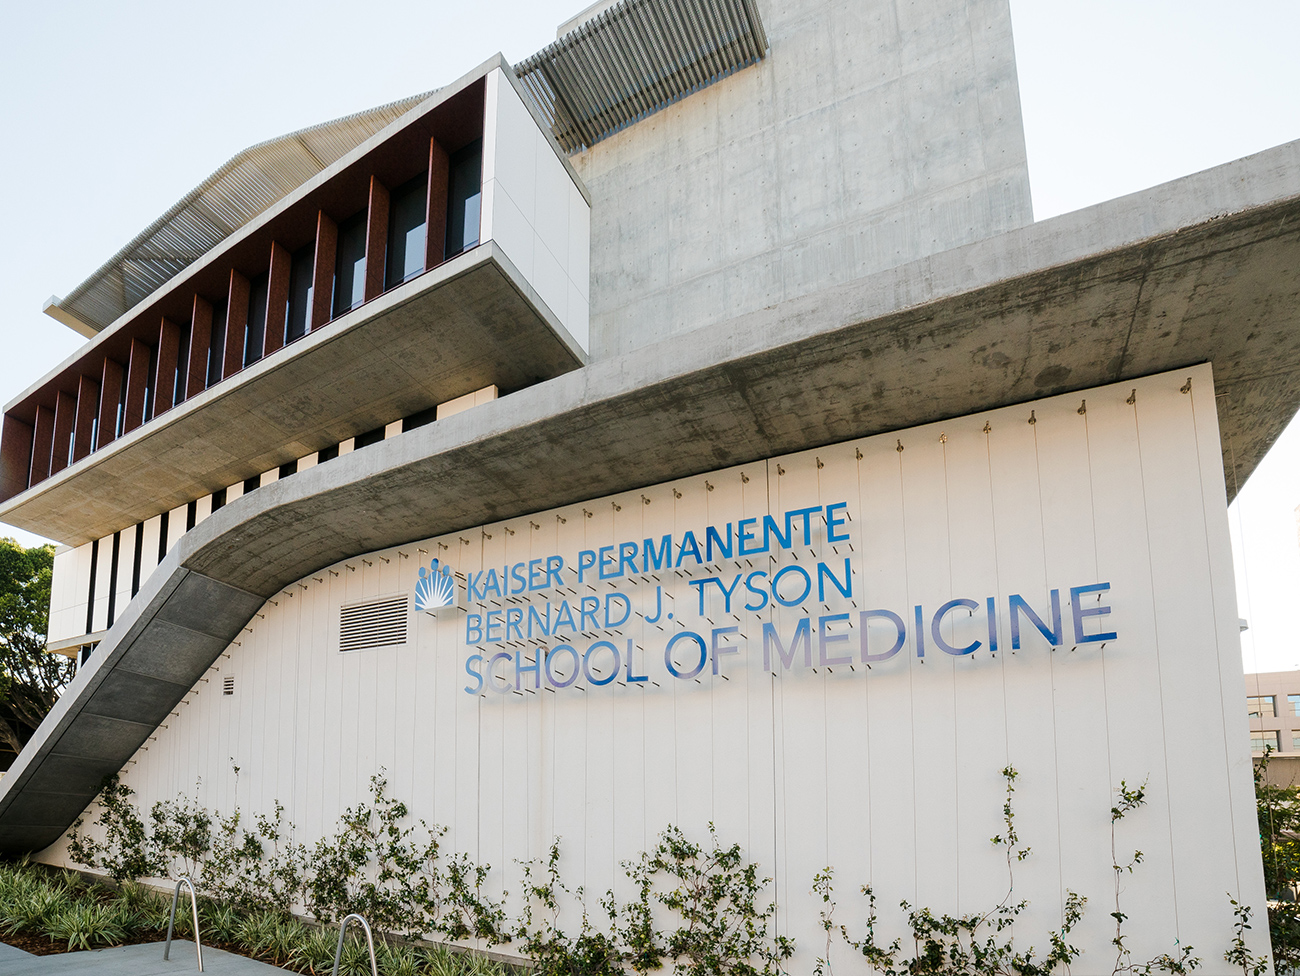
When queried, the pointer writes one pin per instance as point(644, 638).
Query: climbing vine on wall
point(700, 909)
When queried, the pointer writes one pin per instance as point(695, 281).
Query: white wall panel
point(69, 588)
point(532, 208)
point(103, 570)
point(886, 769)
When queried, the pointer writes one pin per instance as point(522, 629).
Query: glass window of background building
point(1261, 740)
point(1261, 706)
point(1293, 704)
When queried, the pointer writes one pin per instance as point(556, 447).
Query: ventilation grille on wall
point(228, 685)
point(380, 623)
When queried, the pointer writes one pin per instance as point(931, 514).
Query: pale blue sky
point(111, 112)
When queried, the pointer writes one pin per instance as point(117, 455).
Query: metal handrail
point(171, 922)
point(370, 942)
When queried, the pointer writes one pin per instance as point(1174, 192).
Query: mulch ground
point(37, 945)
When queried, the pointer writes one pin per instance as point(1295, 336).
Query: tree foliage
point(30, 677)
point(1278, 810)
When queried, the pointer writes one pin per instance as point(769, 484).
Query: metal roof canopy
point(247, 184)
point(636, 58)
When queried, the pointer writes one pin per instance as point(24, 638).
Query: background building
point(1273, 705)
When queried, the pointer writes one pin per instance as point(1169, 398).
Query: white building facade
point(746, 457)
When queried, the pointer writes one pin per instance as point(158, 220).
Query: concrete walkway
point(136, 960)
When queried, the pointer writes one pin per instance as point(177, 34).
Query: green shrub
point(29, 913)
point(256, 932)
point(147, 910)
point(286, 937)
point(219, 921)
point(440, 961)
point(85, 925)
point(397, 959)
point(315, 954)
point(355, 960)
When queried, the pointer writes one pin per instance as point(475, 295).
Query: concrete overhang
point(472, 322)
point(1200, 270)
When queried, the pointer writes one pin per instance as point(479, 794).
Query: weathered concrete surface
point(136, 960)
point(1115, 292)
point(147, 662)
point(473, 322)
point(871, 135)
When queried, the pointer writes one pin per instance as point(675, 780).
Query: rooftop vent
point(378, 623)
point(635, 58)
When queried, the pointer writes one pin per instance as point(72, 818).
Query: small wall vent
point(379, 623)
point(228, 685)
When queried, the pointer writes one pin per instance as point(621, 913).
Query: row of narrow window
point(403, 259)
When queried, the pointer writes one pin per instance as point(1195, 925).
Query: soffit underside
point(464, 326)
point(1218, 293)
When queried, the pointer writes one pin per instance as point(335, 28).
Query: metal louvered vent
point(228, 685)
point(379, 623)
point(634, 59)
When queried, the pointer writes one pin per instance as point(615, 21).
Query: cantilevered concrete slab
point(1200, 270)
point(474, 321)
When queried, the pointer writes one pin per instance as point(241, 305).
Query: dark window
point(149, 383)
point(288, 469)
point(86, 651)
point(327, 454)
point(252, 484)
point(217, 348)
point(94, 432)
point(90, 596)
point(191, 515)
point(368, 438)
point(120, 420)
point(419, 419)
point(406, 228)
point(255, 330)
point(163, 528)
point(137, 557)
point(182, 374)
point(112, 578)
point(464, 198)
point(350, 268)
point(300, 293)
point(218, 498)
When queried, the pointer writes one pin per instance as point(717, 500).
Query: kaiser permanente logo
point(534, 642)
point(436, 589)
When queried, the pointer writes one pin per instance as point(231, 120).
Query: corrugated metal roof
point(634, 59)
point(246, 185)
